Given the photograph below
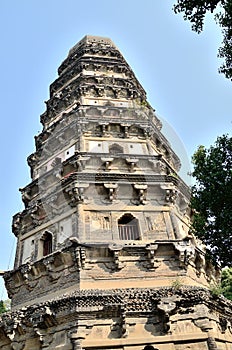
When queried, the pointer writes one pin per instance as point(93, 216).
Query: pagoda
point(105, 256)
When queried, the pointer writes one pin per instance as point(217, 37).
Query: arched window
point(128, 227)
point(47, 243)
point(115, 149)
point(150, 347)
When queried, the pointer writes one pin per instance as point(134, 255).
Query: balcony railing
point(128, 232)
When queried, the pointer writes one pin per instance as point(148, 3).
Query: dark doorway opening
point(128, 227)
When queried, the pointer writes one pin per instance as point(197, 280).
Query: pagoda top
point(91, 40)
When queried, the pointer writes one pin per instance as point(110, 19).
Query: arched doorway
point(128, 227)
point(47, 243)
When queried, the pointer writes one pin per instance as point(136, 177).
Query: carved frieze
point(163, 309)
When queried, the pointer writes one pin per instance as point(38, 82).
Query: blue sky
point(177, 68)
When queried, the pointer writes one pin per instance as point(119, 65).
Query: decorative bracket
point(166, 307)
point(170, 193)
point(123, 323)
point(186, 252)
point(25, 270)
point(104, 128)
point(79, 162)
point(120, 326)
point(37, 213)
point(76, 193)
point(170, 196)
point(142, 191)
point(26, 195)
point(12, 327)
point(80, 254)
point(151, 249)
point(17, 223)
point(126, 129)
point(107, 162)
point(116, 249)
point(112, 191)
point(131, 163)
point(43, 318)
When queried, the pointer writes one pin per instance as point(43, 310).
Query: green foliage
point(216, 290)
point(5, 305)
point(195, 12)
point(225, 287)
point(177, 284)
point(226, 283)
point(2, 307)
point(212, 198)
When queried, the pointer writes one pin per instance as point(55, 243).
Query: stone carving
point(156, 222)
point(79, 161)
point(212, 344)
point(151, 249)
point(123, 323)
point(43, 317)
point(131, 163)
point(186, 252)
point(76, 193)
point(26, 195)
point(131, 301)
point(25, 270)
point(17, 223)
point(107, 161)
point(203, 323)
point(116, 249)
point(112, 191)
point(120, 326)
point(223, 324)
point(76, 342)
point(104, 128)
point(166, 307)
point(10, 327)
point(171, 195)
point(141, 190)
point(37, 213)
point(80, 254)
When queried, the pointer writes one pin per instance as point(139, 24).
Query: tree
point(212, 198)
point(226, 283)
point(196, 10)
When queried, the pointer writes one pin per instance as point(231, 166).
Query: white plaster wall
point(65, 230)
point(69, 152)
point(98, 146)
point(28, 249)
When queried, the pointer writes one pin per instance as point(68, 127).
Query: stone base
point(165, 318)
